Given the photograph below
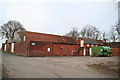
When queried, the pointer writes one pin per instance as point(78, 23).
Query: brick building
point(40, 44)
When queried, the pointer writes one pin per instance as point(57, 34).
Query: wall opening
point(5, 47)
point(24, 38)
point(12, 47)
point(82, 43)
point(90, 51)
point(48, 49)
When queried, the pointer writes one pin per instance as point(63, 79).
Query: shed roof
point(100, 42)
point(50, 38)
point(88, 40)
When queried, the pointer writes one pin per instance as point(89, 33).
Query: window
point(5, 47)
point(24, 38)
point(82, 43)
point(48, 49)
point(12, 47)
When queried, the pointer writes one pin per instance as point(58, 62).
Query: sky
point(59, 16)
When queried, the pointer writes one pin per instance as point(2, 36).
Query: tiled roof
point(88, 40)
point(50, 38)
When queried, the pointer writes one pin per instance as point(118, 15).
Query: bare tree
point(105, 37)
point(117, 27)
point(90, 31)
point(97, 34)
point(8, 30)
point(73, 33)
point(113, 36)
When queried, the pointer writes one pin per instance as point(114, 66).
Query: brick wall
point(116, 51)
point(64, 50)
point(38, 48)
point(21, 48)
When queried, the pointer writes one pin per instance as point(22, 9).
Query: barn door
point(87, 52)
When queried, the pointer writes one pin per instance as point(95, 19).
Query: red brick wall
point(57, 49)
point(40, 48)
point(64, 50)
point(21, 48)
point(32, 36)
point(116, 51)
point(69, 49)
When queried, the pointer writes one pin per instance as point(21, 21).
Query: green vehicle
point(101, 51)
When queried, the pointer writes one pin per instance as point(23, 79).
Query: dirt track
point(60, 67)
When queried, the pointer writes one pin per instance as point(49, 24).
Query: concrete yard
point(59, 67)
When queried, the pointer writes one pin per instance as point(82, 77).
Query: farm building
point(40, 44)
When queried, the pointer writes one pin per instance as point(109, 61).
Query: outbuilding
point(41, 44)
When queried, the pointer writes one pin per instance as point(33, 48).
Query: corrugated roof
point(100, 42)
point(50, 38)
point(88, 40)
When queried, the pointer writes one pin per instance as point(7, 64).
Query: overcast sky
point(59, 16)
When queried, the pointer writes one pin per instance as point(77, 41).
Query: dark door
point(87, 52)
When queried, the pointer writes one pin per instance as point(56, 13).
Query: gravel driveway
point(58, 67)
